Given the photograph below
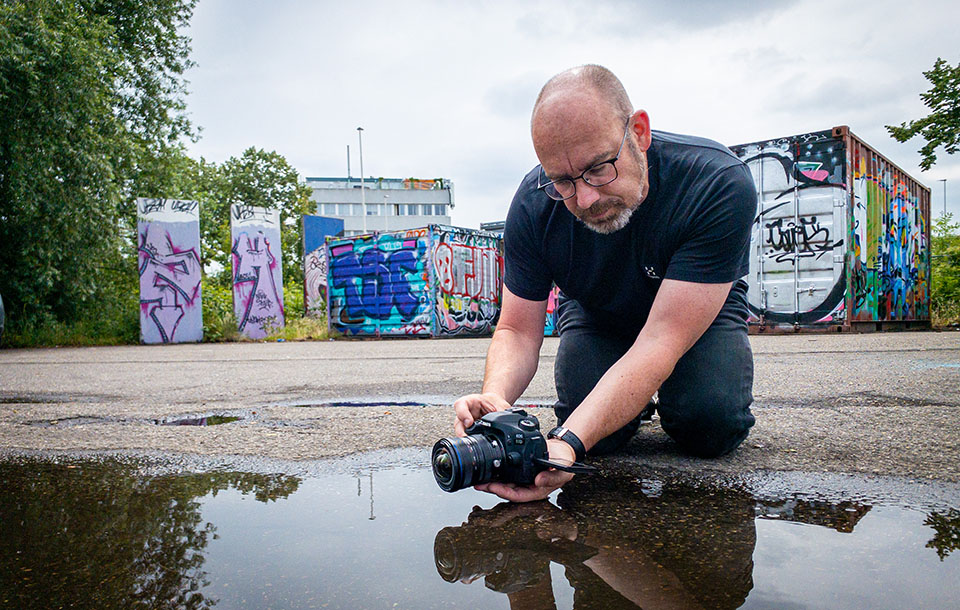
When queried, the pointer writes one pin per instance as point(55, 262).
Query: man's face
point(574, 135)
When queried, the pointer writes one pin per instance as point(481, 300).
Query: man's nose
point(586, 195)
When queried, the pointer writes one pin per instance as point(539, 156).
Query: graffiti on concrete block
point(168, 236)
point(257, 272)
point(551, 324)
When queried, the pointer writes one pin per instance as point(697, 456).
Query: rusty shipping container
point(841, 240)
point(436, 281)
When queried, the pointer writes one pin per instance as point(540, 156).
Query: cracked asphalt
point(883, 403)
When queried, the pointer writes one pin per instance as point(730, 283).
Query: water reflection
point(98, 535)
point(127, 534)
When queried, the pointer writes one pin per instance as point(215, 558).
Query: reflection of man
point(619, 548)
point(647, 235)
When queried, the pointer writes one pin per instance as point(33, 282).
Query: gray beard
point(613, 225)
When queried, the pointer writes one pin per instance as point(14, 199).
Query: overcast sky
point(445, 89)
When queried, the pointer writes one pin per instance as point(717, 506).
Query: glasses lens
point(560, 190)
point(602, 174)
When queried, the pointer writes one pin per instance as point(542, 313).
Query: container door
point(798, 240)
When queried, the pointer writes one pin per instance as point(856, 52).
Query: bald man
point(646, 234)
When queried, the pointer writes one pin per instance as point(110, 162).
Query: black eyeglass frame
point(583, 176)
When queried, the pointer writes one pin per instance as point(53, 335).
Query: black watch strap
point(567, 436)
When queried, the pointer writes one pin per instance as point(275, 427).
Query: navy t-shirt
point(694, 226)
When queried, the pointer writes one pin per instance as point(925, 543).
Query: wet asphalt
point(876, 404)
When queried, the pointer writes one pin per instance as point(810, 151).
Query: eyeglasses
point(601, 174)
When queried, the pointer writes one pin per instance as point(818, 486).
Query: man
point(647, 236)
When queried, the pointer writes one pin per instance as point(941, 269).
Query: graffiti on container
point(468, 270)
point(789, 241)
point(801, 178)
point(377, 285)
point(891, 254)
point(168, 245)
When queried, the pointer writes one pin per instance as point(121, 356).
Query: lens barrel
point(460, 462)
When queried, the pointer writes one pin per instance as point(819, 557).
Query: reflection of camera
point(502, 446)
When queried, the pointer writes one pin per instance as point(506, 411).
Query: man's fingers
point(515, 493)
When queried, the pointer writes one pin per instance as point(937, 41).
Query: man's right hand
point(474, 406)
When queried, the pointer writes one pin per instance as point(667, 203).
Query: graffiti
point(890, 235)
point(469, 271)
point(790, 242)
point(248, 214)
point(315, 280)
point(170, 272)
point(439, 281)
point(551, 325)
point(796, 269)
point(377, 285)
point(184, 206)
point(257, 274)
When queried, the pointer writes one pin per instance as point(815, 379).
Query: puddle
point(205, 420)
point(129, 533)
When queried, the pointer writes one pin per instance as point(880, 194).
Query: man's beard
point(618, 220)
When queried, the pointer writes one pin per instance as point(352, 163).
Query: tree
point(263, 179)
point(945, 272)
point(91, 93)
point(942, 126)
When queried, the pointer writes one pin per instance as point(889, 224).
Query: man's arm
point(511, 359)
point(681, 313)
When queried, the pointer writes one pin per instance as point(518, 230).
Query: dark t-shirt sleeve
point(715, 245)
point(525, 270)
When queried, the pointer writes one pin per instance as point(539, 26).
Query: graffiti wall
point(168, 236)
point(469, 272)
point(841, 234)
point(257, 272)
point(433, 281)
point(316, 229)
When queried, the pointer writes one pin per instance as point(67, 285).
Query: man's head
point(581, 119)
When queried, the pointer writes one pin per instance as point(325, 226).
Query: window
point(439, 209)
point(412, 209)
point(330, 209)
point(373, 210)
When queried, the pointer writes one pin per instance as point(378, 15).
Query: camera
point(504, 446)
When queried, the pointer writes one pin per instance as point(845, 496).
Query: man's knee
point(707, 432)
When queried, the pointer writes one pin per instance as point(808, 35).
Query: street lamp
point(944, 181)
point(363, 190)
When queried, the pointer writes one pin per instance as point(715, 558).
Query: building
point(392, 204)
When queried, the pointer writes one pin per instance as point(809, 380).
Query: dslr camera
point(505, 446)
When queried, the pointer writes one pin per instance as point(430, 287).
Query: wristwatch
point(567, 436)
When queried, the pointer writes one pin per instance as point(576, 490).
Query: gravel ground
point(884, 403)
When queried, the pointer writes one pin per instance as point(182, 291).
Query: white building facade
point(392, 204)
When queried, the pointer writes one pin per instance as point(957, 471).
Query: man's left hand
point(546, 482)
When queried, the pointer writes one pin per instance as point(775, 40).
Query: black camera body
point(505, 446)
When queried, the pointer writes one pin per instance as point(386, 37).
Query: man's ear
point(640, 124)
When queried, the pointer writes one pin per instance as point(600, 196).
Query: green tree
point(945, 272)
point(91, 94)
point(942, 126)
point(263, 179)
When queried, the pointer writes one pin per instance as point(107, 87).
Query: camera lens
point(465, 461)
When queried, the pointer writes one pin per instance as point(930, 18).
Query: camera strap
point(575, 468)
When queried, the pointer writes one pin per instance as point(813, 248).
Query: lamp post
point(363, 190)
point(944, 181)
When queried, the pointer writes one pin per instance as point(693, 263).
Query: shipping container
point(841, 240)
point(436, 281)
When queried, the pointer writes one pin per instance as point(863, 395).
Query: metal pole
point(363, 190)
point(348, 162)
point(944, 181)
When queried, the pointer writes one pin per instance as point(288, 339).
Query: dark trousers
point(705, 403)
